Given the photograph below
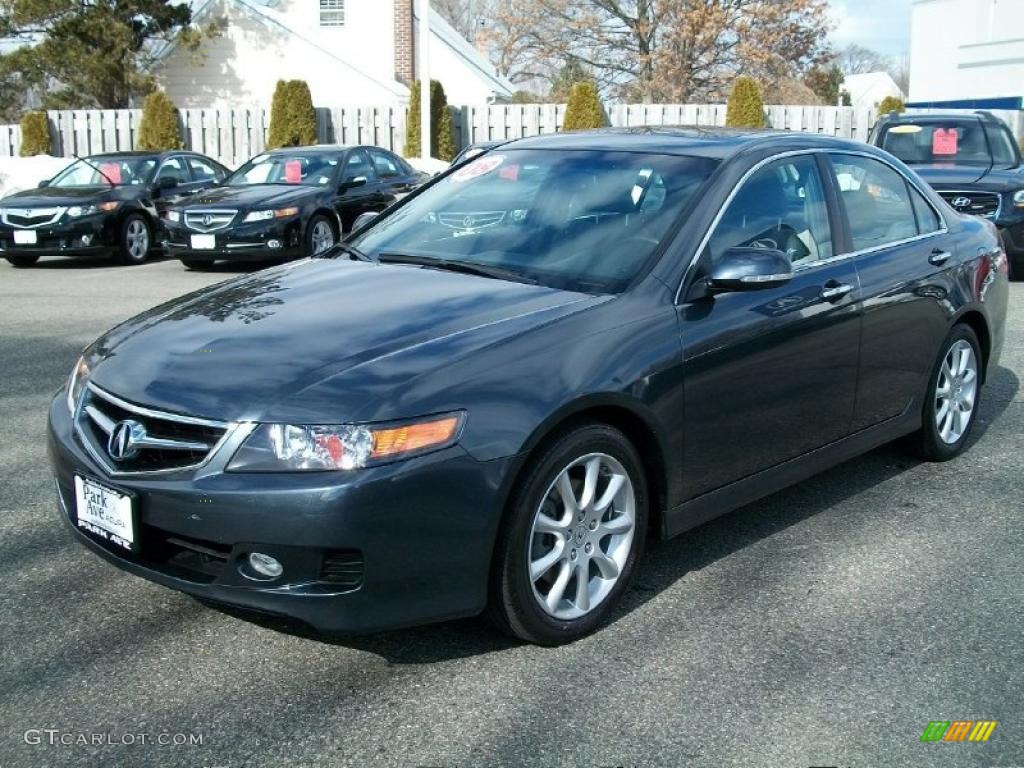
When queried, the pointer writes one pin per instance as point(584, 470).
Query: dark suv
point(971, 160)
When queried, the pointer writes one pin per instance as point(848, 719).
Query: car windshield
point(583, 220)
point(310, 169)
point(967, 142)
point(103, 170)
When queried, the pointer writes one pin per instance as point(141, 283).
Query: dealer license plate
point(104, 513)
point(204, 242)
point(25, 237)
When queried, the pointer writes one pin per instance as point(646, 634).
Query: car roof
point(938, 117)
point(716, 143)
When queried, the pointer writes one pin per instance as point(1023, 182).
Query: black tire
point(513, 606)
point(317, 221)
point(927, 442)
point(197, 265)
point(22, 261)
point(132, 224)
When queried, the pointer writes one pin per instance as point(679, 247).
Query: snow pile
point(427, 164)
point(18, 173)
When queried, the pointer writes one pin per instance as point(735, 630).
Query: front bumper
point(81, 237)
point(395, 545)
point(241, 242)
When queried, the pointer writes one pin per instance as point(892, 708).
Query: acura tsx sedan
point(494, 393)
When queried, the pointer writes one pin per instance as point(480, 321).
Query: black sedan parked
point(287, 203)
point(101, 204)
point(428, 422)
point(972, 161)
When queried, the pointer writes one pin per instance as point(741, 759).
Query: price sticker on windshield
point(477, 168)
point(944, 141)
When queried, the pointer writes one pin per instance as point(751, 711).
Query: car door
point(353, 197)
point(896, 240)
point(173, 180)
point(770, 374)
point(395, 181)
point(205, 172)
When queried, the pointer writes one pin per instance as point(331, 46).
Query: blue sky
point(883, 25)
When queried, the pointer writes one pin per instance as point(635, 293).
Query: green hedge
point(35, 134)
point(159, 127)
point(584, 109)
point(442, 134)
point(292, 117)
point(891, 104)
point(746, 106)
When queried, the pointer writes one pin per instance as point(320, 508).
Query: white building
point(351, 52)
point(868, 89)
point(967, 53)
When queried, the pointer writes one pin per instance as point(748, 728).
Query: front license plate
point(204, 242)
point(104, 513)
point(25, 237)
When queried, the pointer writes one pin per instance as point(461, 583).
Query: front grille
point(472, 220)
point(28, 218)
point(129, 438)
point(975, 203)
point(209, 220)
point(343, 567)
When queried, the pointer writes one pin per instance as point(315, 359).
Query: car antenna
point(96, 168)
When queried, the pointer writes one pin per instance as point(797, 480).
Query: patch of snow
point(20, 173)
point(428, 164)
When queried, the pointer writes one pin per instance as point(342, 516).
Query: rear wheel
point(954, 393)
point(22, 261)
point(320, 235)
point(197, 265)
point(136, 239)
point(571, 537)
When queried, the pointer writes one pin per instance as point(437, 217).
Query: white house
point(868, 89)
point(351, 52)
point(967, 53)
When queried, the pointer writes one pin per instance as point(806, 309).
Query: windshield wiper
point(96, 168)
point(351, 250)
point(454, 265)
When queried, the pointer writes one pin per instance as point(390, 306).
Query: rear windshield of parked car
point(968, 142)
point(316, 169)
point(584, 220)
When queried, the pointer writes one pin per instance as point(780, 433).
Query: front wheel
point(22, 261)
point(954, 394)
point(573, 533)
point(319, 236)
point(136, 239)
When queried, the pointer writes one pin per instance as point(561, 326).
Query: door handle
point(834, 290)
point(939, 257)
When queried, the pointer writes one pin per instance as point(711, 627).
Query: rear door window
point(877, 201)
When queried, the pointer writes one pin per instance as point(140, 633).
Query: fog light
point(265, 565)
point(273, 243)
point(86, 240)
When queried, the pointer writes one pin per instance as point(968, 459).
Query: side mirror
point(355, 181)
point(749, 269)
point(363, 219)
point(166, 182)
point(44, 183)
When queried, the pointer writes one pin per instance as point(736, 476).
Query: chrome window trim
point(838, 257)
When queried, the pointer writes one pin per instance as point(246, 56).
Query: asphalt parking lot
point(823, 626)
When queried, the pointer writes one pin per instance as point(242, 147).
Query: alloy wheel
point(581, 536)
point(137, 239)
point(956, 391)
point(322, 237)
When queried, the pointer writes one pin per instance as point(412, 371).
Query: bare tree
point(659, 49)
point(857, 60)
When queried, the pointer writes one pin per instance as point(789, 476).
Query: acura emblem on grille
point(124, 439)
point(961, 202)
point(469, 221)
point(28, 213)
point(207, 220)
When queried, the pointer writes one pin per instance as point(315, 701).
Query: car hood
point(45, 197)
point(961, 176)
point(261, 195)
point(251, 347)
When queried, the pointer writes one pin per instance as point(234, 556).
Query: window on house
point(332, 13)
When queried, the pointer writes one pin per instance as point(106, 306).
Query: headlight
point(280, 213)
point(79, 378)
point(76, 211)
point(174, 215)
point(293, 448)
point(1018, 198)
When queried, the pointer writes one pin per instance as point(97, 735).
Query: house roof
point(462, 48)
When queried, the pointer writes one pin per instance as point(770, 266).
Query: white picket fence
point(233, 135)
